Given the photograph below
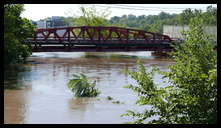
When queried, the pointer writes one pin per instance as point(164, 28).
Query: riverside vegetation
point(191, 96)
point(16, 30)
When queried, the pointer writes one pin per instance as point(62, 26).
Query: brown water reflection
point(15, 99)
point(46, 99)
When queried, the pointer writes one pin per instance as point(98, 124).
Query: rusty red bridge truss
point(97, 39)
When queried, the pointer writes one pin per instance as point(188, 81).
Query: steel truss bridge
point(97, 39)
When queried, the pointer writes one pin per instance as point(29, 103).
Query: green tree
point(16, 30)
point(191, 96)
point(92, 17)
point(210, 16)
point(155, 23)
point(70, 21)
point(156, 27)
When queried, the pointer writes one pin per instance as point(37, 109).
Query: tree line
point(152, 23)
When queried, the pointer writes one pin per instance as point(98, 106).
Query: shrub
point(191, 96)
point(82, 87)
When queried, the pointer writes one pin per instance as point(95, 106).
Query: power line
point(144, 7)
point(133, 8)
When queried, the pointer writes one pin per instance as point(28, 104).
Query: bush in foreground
point(191, 96)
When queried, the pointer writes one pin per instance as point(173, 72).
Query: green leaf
point(81, 87)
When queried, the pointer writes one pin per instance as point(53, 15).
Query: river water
point(45, 98)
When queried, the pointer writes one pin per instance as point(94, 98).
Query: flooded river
point(45, 98)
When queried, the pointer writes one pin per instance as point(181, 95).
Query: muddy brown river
point(44, 97)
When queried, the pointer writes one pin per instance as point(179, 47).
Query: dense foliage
point(16, 30)
point(191, 96)
point(82, 87)
point(90, 16)
point(154, 23)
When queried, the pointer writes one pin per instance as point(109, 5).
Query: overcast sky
point(40, 11)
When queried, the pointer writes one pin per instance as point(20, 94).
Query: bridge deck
point(100, 47)
point(96, 49)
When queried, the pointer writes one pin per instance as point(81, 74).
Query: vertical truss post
point(127, 34)
point(99, 34)
point(83, 32)
point(69, 34)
